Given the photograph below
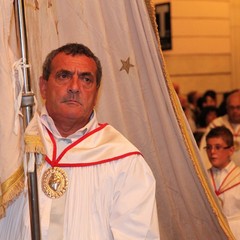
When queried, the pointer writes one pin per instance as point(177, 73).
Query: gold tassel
point(34, 144)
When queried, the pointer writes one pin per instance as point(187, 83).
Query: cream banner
point(137, 98)
point(11, 146)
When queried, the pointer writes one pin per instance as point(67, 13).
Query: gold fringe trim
point(11, 189)
point(183, 128)
point(151, 11)
point(33, 143)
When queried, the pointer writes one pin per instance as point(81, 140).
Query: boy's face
point(218, 152)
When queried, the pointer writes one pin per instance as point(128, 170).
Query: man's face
point(71, 91)
point(218, 152)
point(233, 108)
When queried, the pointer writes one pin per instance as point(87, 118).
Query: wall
point(205, 45)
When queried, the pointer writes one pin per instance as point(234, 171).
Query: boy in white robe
point(225, 175)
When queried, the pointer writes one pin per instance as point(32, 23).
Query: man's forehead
point(70, 62)
point(234, 98)
point(65, 57)
point(234, 103)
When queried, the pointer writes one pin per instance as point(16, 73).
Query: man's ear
point(232, 149)
point(43, 87)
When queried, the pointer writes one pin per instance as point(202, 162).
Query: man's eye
point(87, 79)
point(63, 75)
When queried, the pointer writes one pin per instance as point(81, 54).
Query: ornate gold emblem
point(54, 182)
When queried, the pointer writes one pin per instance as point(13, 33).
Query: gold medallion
point(54, 182)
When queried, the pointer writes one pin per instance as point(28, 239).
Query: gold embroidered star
point(126, 65)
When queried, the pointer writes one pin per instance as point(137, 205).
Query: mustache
point(72, 97)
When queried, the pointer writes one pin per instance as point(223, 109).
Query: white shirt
point(227, 183)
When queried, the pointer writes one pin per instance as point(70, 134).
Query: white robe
point(227, 183)
point(110, 196)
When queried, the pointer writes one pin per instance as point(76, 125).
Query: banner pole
point(27, 105)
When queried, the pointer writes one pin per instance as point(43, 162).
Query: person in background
point(185, 106)
point(209, 99)
point(224, 175)
point(207, 115)
point(192, 98)
point(231, 120)
point(93, 183)
point(182, 99)
point(222, 108)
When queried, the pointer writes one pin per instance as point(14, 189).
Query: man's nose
point(74, 84)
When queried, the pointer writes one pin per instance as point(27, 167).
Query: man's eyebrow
point(82, 74)
point(67, 72)
point(64, 71)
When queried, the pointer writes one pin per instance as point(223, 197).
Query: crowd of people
point(202, 108)
point(216, 128)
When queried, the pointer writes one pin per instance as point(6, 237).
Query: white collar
point(227, 169)
point(48, 122)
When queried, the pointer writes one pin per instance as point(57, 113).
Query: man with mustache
point(93, 183)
